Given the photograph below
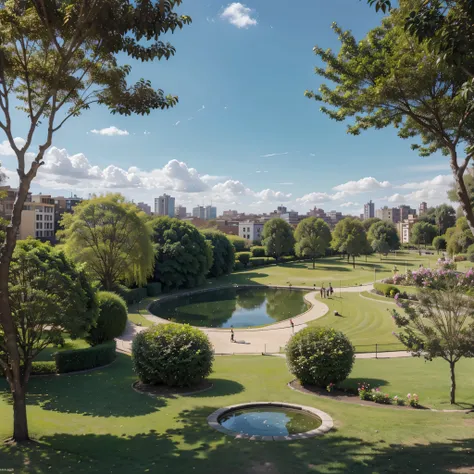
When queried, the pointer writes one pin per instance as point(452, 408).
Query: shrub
point(43, 368)
point(131, 295)
point(470, 253)
point(460, 258)
point(257, 262)
point(386, 289)
point(364, 391)
point(320, 356)
point(243, 257)
point(238, 266)
point(398, 400)
point(172, 354)
point(222, 251)
point(413, 400)
point(153, 289)
point(380, 397)
point(84, 359)
point(112, 318)
point(239, 243)
point(258, 251)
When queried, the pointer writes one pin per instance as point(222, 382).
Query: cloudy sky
point(243, 135)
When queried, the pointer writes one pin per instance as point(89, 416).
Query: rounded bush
point(112, 318)
point(176, 355)
point(470, 253)
point(258, 251)
point(243, 257)
point(320, 356)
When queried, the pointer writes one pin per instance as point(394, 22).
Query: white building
point(251, 231)
point(164, 205)
point(180, 212)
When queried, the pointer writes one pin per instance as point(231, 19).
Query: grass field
point(47, 354)
point(95, 423)
point(363, 321)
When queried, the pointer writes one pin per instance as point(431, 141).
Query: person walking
point(321, 292)
point(330, 290)
point(292, 326)
point(232, 338)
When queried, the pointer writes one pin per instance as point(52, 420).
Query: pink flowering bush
point(365, 392)
point(413, 400)
point(446, 264)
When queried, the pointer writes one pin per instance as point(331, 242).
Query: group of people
point(326, 293)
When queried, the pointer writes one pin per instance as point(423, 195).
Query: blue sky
point(243, 134)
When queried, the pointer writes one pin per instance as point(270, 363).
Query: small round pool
point(271, 421)
point(237, 307)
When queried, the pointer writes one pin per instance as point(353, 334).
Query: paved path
point(269, 339)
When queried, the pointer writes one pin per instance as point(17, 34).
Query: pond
point(269, 421)
point(237, 307)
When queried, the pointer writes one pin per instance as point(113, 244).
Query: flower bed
point(378, 396)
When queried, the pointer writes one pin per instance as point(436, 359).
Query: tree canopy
point(313, 237)
point(349, 237)
point(367, 223)
point(49, 296)
point(423, 233)
point(183, 255)
point(439, 325)
point(390, 79)
point(278, 238)
point(222, 252)
point(445, 217)
point(113, 238)
point(383, 237)
point(459, 237)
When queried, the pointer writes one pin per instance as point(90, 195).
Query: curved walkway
point(265, 340)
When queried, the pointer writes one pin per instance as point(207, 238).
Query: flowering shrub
point(446, 264)
point(413, 400)
point(380, 397)
point(398, 400)
point(331, 387)
point(365, 392)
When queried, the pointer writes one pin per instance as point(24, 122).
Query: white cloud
point(7, 150)
point(177, 123)
point(397, 197)
point(361, 186)
point(269, 155)
point(349, 204)
point(110, 131)
point(319, 198)
point(202, 108)
point(146, 132)
point(440, 180)
point(238, 15)
point(271, 195)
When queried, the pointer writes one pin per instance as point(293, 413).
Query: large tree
point(445, 217)
point(390, 79)
point(57, 59)
point(367, 223)
point(313, 237)
point(183, 255)
point(349, 237)
point(383, 237)
point(423, 233)
point(223, 253)
point(278, 238)
point(459, 237)
point(49, 296)
point(113, 238)
point(440, 324)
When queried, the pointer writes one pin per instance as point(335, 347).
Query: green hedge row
point(386, 289)
point(257, 251)
point(43, 368)
point(84, 359)
point(131, 295)
point(257, 262)
point(153, 289)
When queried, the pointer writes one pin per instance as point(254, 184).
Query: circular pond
point(237, 307)
point(271, 421)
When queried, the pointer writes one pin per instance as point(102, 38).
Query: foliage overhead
point(113, 238)
point(278, 238)
point(49, 296)
point(176, 355)
point(390, 79)
point(183, 256)
point(313, 237)
point(439, 325)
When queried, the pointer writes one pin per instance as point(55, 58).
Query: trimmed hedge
point(176, 355)
point(131, 295)
point(153, 289)
point(238, 266)
point(257, 262)
point(239, 243)
point(386, 289)
point(257, 251)
point(243, 257)
point(112, 318)
point(320, 356)
point(43, 368)
point(84, 359)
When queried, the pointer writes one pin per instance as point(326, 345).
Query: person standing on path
point(321, 292)
point(232, 339)
point(292, 326)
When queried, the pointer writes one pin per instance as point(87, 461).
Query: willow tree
point(113, 238)
point(57, 58)
point(389, 78)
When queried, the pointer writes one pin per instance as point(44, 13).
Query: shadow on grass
point(221, 388)
point(192, 446)
point(353, 383)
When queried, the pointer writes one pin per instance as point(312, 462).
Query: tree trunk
point(353, 261)
point(462, 192)
point(453, 383)
point(314, 262)
point(14, 377)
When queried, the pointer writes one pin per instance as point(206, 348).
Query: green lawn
point(135, 313)
point(365, 322)
point(95, 423)
point(47, 354)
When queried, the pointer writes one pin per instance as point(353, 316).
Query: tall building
point(423, 208)
point(281, 210)
point(230, 213)
point(369, 210)
point(404, 228)
point(199, 212)
point(316, 212)
point(64, 205)
point(334, 217)
point(291, 217)
point(386, 213)
point(251, 231)
point(180, 212)
point(37, 218)
point(164, 205)
point(405, 211)
point(146, 208)
point(210, 212)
